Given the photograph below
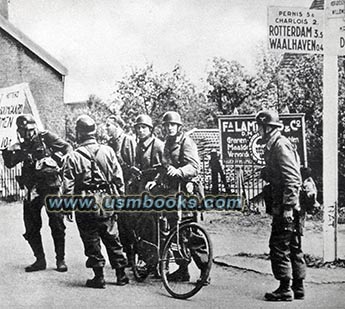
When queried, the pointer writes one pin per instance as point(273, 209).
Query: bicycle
point(186, 244)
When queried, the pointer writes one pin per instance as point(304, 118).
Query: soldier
point(282, 171)
point(149, 151)
point(181, 162)
point(124, 148)
point(79, 178)
point(40, 176)
point(149, 154)
point(123, 144)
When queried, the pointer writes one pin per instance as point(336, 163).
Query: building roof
point(33, 47)
point(206, 140)
point(317, 5)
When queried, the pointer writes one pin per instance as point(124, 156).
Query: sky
point(99, 41)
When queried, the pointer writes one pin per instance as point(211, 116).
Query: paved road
point(230, 288)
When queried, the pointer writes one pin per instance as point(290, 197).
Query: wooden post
point(330, 136)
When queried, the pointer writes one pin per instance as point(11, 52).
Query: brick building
point(23, 61)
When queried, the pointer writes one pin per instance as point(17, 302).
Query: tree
point(229, 85)
point(143, 90)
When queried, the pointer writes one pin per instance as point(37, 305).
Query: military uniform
point(124, 147)
point(181, 152)
point(94, 226)
point(45, 144)
point(282, 171)
point(148, 154)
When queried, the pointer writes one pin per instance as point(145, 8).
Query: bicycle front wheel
point(186, 260)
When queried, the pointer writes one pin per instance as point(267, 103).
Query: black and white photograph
point(172, 153)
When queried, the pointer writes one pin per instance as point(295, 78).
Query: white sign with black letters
point(295, 30)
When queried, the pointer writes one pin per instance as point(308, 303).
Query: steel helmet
point(26, 121)
point(144, 119)
point(268, 118)
point(85, 125)
point(172, 117)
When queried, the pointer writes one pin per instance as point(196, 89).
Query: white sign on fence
point(295, 30)
point(14, 101)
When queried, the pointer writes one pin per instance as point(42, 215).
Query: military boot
point(59, 244)
point(180, 275)
point(37, 248)
point(61, 265)
point(40, 264)
point(298, 288)
point(97, 282)
point(283, 293)
point(121, 277)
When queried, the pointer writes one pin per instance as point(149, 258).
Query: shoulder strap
point(94, 163)
point(180, 157)
point(152, 150)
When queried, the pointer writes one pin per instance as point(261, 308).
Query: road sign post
point(299, 30)
point(333, 46)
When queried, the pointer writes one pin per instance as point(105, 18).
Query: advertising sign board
point(241, 143)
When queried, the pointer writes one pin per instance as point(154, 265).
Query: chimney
point(4, 8)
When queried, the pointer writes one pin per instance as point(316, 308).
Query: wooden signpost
point(318, 32)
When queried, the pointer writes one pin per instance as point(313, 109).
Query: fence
point(243, 180)
point(9, 188)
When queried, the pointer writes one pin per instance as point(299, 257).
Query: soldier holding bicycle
point(181, 162)
point(149, 153)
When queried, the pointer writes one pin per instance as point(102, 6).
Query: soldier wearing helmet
point(79, 177)
point(124, 147)
point(149, 150)
point(267, 121)
point(181, 162)
point(39, 152)
point(282, 172)
point(122, 143)
point(149, 154)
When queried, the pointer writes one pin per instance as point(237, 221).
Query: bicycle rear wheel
point(189, 249)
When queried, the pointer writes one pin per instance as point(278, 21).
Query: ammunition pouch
point(47, 173)
point(96, 188)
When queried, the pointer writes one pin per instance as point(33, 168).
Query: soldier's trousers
point(287, 258)
point(196, 244)
point(94, 228)
point(126, 225)
point(33, 225)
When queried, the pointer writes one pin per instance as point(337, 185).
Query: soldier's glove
point(136, 172)
point(173, 171)
point(150, 185)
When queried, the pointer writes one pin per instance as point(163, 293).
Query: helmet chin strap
point(268, 131)
point(26, 138)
